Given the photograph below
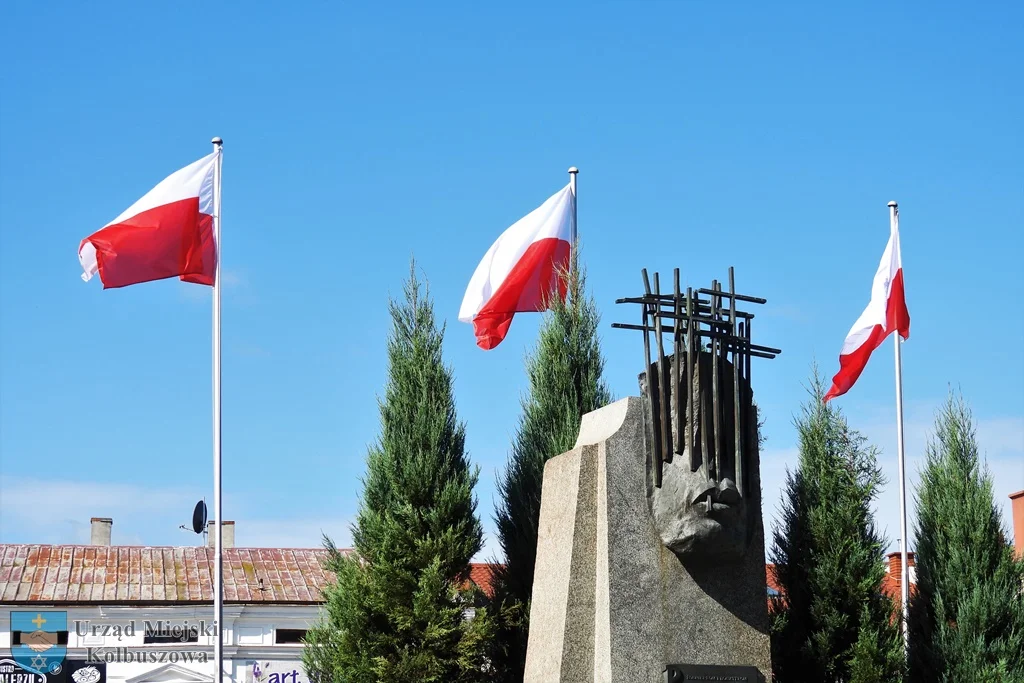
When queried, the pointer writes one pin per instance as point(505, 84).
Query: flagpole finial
point(892, 204)
point(573, 170)
point(217, 141)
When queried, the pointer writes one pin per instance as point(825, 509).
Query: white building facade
point(120, 614)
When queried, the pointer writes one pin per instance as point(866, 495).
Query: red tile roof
point(131, 574)
point(891, 581)
point(480, 574)
point(771, 579)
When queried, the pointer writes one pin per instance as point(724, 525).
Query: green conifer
point(832, 623)
point(398, 610)
point(565, 382)
point(967, 612)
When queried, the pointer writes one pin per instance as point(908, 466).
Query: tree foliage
point(398, 610)
point(832, 622)
point(565, 382)
point(967, 614)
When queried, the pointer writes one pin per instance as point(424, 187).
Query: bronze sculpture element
point(702, 424)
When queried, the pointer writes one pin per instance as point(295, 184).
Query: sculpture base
point(610, 601)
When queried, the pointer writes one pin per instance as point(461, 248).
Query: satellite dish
point(199, 517)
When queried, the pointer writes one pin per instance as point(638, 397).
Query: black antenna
point(199, 517)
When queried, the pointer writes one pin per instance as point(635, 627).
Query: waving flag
point(519, 272)
point(167, 233)
point(885, 314)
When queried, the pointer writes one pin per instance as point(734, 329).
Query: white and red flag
point(887, 313)
point(521, 270)
point(167, 233)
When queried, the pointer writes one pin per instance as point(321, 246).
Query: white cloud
point(39, 511)
point(294, 533)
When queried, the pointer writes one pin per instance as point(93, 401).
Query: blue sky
point(767, 137)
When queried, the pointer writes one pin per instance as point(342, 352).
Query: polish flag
point(887, 313)
point(520, 271)
point(167, 233)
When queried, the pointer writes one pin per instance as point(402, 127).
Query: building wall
point(249, 635)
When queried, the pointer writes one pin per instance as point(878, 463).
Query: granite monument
point(650, 558)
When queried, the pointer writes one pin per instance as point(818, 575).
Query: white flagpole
point(218, 575)
point(904, 569)
point(572, 188)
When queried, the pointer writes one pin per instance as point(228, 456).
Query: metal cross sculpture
point(700, 322)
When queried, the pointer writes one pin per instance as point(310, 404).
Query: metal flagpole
point(218, 575)
point(904, 569)
point(572, 188)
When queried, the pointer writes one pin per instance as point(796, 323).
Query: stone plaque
point(685, 673)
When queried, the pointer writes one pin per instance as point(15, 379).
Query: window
point(21, 637)
point(289, 636)
point(772, 591)
point(168, 634)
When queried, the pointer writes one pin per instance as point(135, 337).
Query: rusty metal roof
point(142, 574)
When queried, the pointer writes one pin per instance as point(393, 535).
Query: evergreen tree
point(564, 371)
point(967, 613)
point(832, 622)
point(397, 610)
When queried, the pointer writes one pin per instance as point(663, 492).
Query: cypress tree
point(832, 622)
point(397, 610)
point(967, 613)
point(565, 382)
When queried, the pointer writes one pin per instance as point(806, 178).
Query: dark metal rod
point(697, 318)
point(652, 299)
point(714, 385)
point(655, 435)
point(746, 369)
point(653, 430)
point(705, 452)
point(748, 389)
point(677, 369)
point(689, 374)
point(736, 297)
point(729, 343)
point(663, 393)
point(736, 364)
point(702, 422)
point(744, 366)
point(701, 306)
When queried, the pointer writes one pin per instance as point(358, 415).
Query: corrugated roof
point(71, 574)
point(127, 574)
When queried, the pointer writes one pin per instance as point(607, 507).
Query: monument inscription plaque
point(691, 673)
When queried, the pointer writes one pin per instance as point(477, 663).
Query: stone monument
point(650, 556)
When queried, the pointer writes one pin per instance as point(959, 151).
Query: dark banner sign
point(71, 671)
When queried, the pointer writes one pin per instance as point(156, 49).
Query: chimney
point(896, 567)
point(227, 535)
point(1018, 522)
point(99, 530)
